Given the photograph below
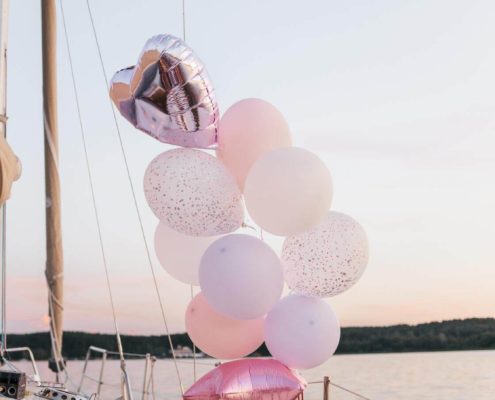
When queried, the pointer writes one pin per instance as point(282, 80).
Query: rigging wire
point(93, 196)
point(184, 20)
point(191, 286)
point(138, 213)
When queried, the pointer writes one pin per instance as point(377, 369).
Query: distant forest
point(468, 334)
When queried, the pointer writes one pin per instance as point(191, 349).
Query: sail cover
point(257, 379)
point(10, 169)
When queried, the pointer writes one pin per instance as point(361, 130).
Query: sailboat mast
point(54, 252)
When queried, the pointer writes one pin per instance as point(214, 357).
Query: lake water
point(463, 375)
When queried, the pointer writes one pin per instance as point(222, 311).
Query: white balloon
point(180, 254)
point(241, 277)
point(302, 332)
point(328, 259)
point(192, 192)
point(288, 191)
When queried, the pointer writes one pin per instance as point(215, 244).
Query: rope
point(341, 388)
point(194, 346)
point(93, 196)
point(54, 340)
point(56, 348)
point(138, 213)
point(350, 391)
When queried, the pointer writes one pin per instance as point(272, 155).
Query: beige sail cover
point(10, 169)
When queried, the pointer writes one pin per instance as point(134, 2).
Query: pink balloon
point(248, 129)
point(220, 336)
point(251, 378)
point(302, 332)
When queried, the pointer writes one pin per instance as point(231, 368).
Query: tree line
point(467, 334)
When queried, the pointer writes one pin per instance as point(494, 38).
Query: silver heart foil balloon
point(168, 94)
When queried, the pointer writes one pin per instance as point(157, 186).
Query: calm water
point(464, 375)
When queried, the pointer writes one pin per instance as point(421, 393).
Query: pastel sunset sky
point(397, 97)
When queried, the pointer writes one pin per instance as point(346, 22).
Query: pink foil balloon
point(192, 192)
point(288, 191)
point(168, 94)
point(248, 129)
point(220, 336)
point(180, 254)
point(302, 332)
point(241, 276)
point(254, 378)
point(327, 259)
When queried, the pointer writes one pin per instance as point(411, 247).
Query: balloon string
point(246, 225)
point(194, 346)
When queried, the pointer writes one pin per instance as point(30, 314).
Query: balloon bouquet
point(198, 199)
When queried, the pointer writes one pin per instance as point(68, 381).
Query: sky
point(397, 98)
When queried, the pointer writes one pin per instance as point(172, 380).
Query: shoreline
point(455, 335)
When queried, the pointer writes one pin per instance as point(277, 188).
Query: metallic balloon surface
point(168, 94)
point(253, 378)
point(327, 259)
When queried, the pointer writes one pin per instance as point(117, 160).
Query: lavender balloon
point(241, 276)
point(327, 259)
point(302, 332)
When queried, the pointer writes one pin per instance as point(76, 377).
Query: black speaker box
point(12, 384)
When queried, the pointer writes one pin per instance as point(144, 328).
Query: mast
point(54, 252)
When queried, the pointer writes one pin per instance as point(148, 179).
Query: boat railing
point(326, 388)
point(147, 387)
point(36, 375)
point(147, 390)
